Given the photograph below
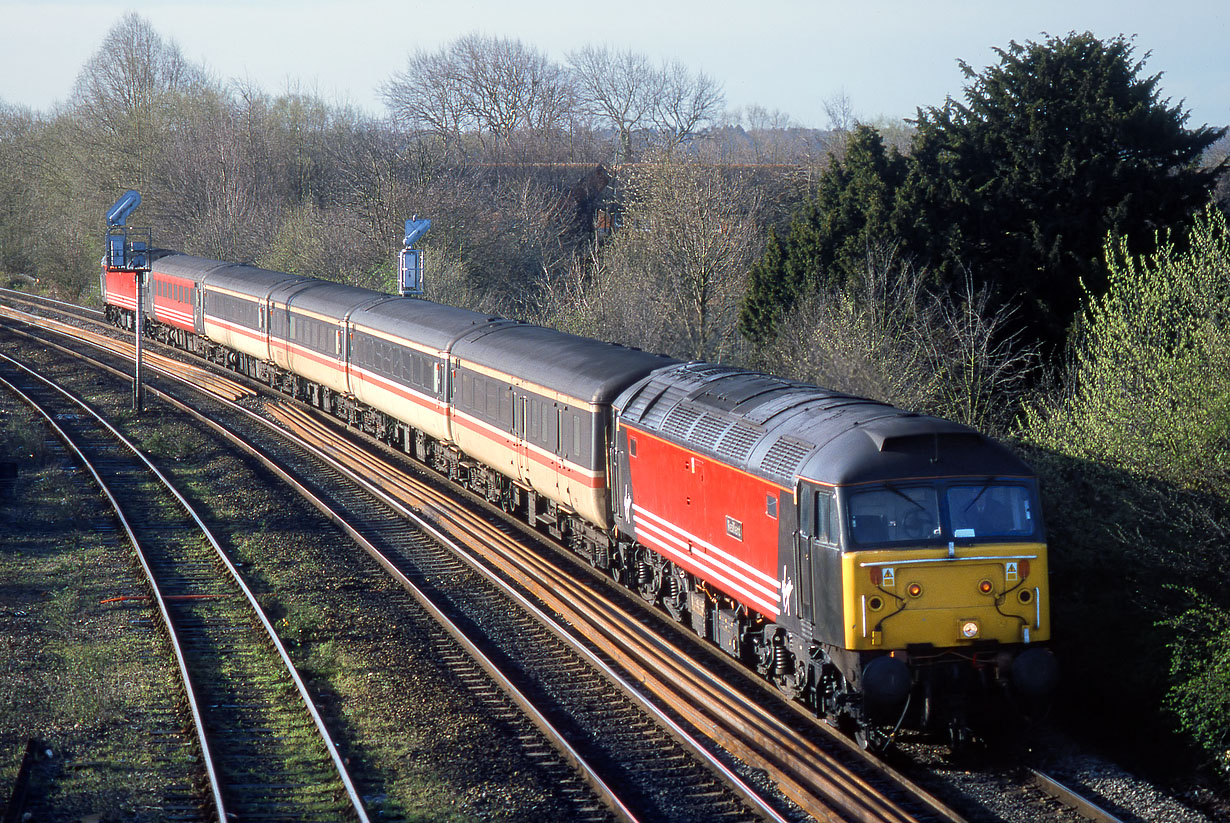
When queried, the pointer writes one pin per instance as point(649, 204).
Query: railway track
point(801, 767)
point(1071, 799)
point(1072, 805)
point(661, 784)
point(827, 779)
point(260, 753)
point(826, 782)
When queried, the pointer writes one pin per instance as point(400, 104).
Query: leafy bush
point(1135, 459)
point(1200, 670)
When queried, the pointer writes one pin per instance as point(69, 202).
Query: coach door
point(522, 409)
point(198, 308)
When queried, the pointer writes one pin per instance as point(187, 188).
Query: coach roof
point(429, 324)
point(249, 280)
point(185, 265)
point(588, 370)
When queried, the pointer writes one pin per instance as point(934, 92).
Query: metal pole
point(139, 282)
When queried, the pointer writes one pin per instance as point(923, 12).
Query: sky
point(886, 57)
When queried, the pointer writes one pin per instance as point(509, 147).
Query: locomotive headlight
point(969, 629)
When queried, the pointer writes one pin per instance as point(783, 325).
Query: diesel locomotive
point(882, 566)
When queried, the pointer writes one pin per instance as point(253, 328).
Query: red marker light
point(914, 589)
point(985, 587)
point(1023, 569)
point(877, 576)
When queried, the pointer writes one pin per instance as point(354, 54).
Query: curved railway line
point(235, 671)
point(662, 780)
point(685, 688)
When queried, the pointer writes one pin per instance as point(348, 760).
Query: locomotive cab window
point(990, 510)
point(817, 515)
point(891, 514)
point(894, 514)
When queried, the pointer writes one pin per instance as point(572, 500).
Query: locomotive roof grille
point(708, 430)
point(737, 444)
point(785, 457)
point(679, 421)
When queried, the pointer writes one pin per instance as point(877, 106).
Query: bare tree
point(769, 133)
point(626, 90)
point(672, 277)
point(18, 161)
point(839, 109)
point(429, 95)
point(620, 87)
point(215, 199)
point(685, 102)
point(490, 85)
point(892, 340)
point(126, 93)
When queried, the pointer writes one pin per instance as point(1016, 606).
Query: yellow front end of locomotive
point(947, 598)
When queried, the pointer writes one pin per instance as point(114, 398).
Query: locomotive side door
point(818, 562)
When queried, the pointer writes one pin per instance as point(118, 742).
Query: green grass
point(75, 672)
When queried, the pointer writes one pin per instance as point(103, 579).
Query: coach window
point(506, 406)
point(535, 435)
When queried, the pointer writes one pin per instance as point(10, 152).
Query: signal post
point(128, 249)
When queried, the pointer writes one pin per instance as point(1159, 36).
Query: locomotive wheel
point(676, 598)
point(871, 739)
point(788, 685)
point(650, 574)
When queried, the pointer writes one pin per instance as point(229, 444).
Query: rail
point(161, 600)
